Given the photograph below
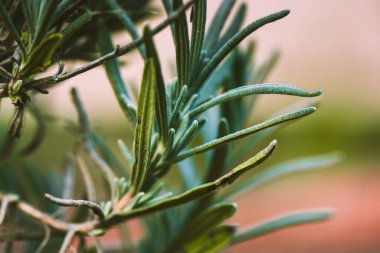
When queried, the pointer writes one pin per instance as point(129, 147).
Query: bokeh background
point(329, 45)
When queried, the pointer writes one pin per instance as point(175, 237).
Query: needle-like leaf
point(281, 222)
point(253, 90)
point(233, 42)
point(161, 101)
point(245, 132)
point(143, 131)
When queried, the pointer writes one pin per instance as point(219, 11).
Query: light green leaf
point(143, 131)
point(255, 89)
point(281, 222)
point(245, 132)
point(299, 165)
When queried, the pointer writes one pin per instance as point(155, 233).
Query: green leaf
point(282, 222)
point(197, 192)
point(255, 89)
point(43, 12)
point(245, 132)
point(161, 102)
point(127, 23)
point(212, 242)
point(181, 39)
point(74, 26)
point(113, 73)
point(40, 57)
point(27, 11)
point(234, 26)
point(210, 218)
point(233, 42)
point(299, 165)
point(143, 131)
point(11, 27)
point(197, 32)
point(216, 26)
point(187, 136)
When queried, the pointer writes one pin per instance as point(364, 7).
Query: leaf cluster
point(196, 125)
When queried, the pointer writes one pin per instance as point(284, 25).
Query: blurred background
point(328, 45)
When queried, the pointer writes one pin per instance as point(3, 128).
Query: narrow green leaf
point(212, 242)
point(234, 26)
point(113, 73)
point(26, 9)
point(143, 131)
point(180, 103)
point(281, 222)
point(221, 155)
point(233, 42)
point(254, 89)
point(128, 24)
point(11, 27)
point(161, 101)
point(187, 137)
point(277, 171)
point(125, 151)
point(197, 32)
point(245, 132)
point(210, 218)
point(40, 57)
point(197, 192)
point(45, 13)
point(74, 26)
point(217, 23)
point(181, 39)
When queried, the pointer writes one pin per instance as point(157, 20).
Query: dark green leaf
point(161, 101)
point(74, 26)
point(145, 118)
point(127, 23)
point(11, 27)
point(197, 32)
point(216, 26)
point(181, 39)
point(40, 57)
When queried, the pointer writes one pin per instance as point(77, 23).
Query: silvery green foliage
point(190, 125)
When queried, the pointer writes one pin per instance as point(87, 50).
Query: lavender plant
point(189, 126)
